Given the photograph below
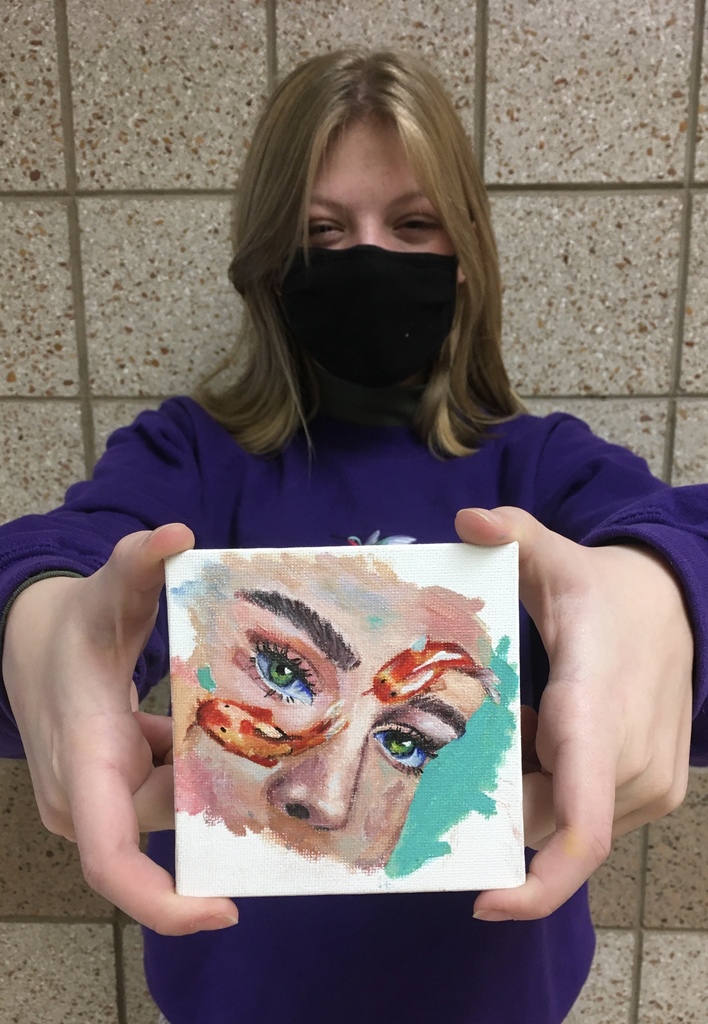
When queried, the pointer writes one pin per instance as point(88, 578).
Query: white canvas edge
point(210, 861)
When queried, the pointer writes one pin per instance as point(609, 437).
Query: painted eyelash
point(426, 745)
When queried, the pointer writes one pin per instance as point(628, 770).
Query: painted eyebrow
point(320, 630)
point(446, 712)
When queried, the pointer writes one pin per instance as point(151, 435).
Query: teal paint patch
point(206, 679)
point(440, 801)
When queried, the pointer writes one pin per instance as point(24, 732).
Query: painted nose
point(319, 787)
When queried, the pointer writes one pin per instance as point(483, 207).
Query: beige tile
point(109, 416)
point(57, 973)
point(638, 424)
point(587, 92)
point(590, 289)
point(140, 1008)
point(160, 311)
point(614, 886)
point(41, 454)
point(701, 167)
point(40, 872)
point(694, 359)
point(442, 33)
point(37, 340)
point(31, 142)
point(606, 998)
point(691, 442)
point(677, 867)
point(165, 95)
point(674, 972)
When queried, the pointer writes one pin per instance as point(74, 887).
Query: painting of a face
point(318, 690)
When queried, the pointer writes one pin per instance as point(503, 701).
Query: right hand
point(97, 764)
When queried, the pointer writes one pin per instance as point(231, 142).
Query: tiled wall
point(122, 129)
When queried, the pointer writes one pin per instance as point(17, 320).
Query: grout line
point(480, 82)
point(77, 284)
point(543, 188)
point(272, 43)
point(638, 928)
point(685, 245)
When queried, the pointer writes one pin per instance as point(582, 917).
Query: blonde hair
point(468, 389)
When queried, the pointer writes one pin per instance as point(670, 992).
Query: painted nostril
point(297, 811)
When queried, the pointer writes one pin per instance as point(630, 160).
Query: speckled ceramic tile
point(109, 416)
point(674, 972)
point(166, 94)
point(691, 442)
point(590, 291)
point(587, 92)
point(31, 143)
point(694, 360)
point(56, 973)
point(701, 166)
point(37, 339)
point(639, 424)
point(40, 873)
point(140, 1009)
point(607, 994)
point(160, 311)
point(442, 33)
point(614, 889)
point(677, 868)
point(41, 454)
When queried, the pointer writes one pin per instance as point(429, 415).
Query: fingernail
point(491, 915)
point(482, 513)
point(213, 924)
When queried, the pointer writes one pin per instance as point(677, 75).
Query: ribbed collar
point(373, 407)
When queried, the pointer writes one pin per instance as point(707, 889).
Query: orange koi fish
point(250, 731)
point(419, 667)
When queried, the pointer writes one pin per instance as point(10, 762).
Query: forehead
point(366, 153)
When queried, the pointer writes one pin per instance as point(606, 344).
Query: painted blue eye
point(407, 748)
point(283, 675)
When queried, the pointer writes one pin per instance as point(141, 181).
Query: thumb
point(548, 562)
point(121, 599)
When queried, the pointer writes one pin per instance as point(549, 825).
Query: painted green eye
point(283, 675)
point(408, 749)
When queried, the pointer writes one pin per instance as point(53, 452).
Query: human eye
point(321, 230)
point(283, 673)
point(406, 747)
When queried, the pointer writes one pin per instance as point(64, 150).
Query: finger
point(548, 563)
point(157, 730)
point(529, 728)
point(583, 801)
point(107, 835)
point(154, 802)
point(121, 601)
point(539, 815)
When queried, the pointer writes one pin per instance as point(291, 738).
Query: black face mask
point(368, 315)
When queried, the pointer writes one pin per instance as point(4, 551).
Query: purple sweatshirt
point(312, 960)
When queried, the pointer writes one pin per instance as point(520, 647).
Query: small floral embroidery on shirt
point(376, 538)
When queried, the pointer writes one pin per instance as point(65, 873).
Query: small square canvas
point(346, 720)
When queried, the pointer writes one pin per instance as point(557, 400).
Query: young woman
point(374, 404)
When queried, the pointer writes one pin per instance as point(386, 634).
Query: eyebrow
point(320, 630)
point(446, 712)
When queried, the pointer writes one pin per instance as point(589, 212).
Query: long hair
point(468, 389)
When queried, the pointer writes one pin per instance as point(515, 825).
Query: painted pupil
point(399, 744)
point(281, 673)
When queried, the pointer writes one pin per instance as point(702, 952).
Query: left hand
point(614, 725)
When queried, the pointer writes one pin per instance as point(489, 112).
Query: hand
point(609, 751)
point(70, 650)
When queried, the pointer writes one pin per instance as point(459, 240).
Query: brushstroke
point(441, 801)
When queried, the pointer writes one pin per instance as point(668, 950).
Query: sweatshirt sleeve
point(598, 493)
point(159, 470)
